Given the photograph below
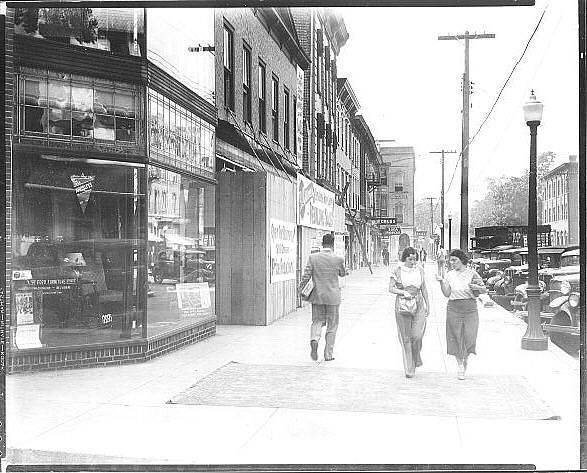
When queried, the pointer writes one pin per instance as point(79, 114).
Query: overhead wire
point(496, 100)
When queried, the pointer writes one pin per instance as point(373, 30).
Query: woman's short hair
point(407, 252)
point(460, 254)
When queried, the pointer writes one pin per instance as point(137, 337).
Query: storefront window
point(78, 109)
point(179, 138)
point(77, 246)
point(116, 30)
point(181, 250)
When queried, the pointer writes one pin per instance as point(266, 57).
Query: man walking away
point(441, 261)
point(324, 268)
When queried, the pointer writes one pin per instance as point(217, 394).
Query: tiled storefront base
point(114, 353)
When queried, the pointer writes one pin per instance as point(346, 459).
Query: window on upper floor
point(262, 98)
point(275, 107)
point(247, 84)
point(228, 68)
point(399, 212)
point(399, 183)
point(286, 119)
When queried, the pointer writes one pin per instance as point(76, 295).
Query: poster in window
point(23, 302)
point(193, 299)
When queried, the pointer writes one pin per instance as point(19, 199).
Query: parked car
point(563, 316)
point(569, 268)
point(187, 265)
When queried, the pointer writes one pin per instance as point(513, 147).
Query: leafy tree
point(59, 22)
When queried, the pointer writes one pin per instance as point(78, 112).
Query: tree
point(79, 23)
point(506, 202)
point(422, 214)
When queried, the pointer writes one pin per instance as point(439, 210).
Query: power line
point(499, 95)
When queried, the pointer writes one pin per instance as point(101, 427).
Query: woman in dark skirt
point(461, 285)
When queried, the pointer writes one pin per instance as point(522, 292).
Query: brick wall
point(248, 28)
point(110, 353)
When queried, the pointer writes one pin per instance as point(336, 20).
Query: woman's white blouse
point(411, 276)
point(459, 284)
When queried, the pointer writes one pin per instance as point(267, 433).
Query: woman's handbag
point(407, 306)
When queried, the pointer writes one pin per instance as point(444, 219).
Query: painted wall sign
point(300, 114)
point(283, 247)
point(315, 205)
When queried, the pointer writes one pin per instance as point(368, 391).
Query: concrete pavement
point(120, 415)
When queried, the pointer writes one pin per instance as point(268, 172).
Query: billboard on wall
point(283, 247)
point(315, 206)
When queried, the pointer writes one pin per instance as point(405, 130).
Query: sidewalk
point(120, 414)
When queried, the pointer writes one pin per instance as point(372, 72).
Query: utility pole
point(442, 152)
point(464, 235)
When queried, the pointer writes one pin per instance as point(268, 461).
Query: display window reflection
point(76, 109)
point(119, 31)
point(178, 137)
point(181, 250)
point(77, 246)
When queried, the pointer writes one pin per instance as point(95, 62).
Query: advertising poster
point(193, 299)
point(283, 246)
point(315, 205)
point(27, 336)
point(23, 302)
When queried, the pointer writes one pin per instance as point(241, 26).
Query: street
point(358, 408)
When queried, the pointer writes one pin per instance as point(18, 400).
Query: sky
point(408, 84)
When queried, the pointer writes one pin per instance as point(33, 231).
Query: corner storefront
point(110, 209)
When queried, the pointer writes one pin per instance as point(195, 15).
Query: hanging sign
point(300, 114)
point(83, 186)
point(283, 245)
point(315, 205)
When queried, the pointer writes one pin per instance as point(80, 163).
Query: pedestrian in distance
point(324, 268)
point(385, 254)
point(461, 285)
point(440, 261)
point(411, 308)
point(424, 254)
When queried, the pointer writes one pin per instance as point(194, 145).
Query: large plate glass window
point(181, 250)
point(74, 108)
point(78, 241)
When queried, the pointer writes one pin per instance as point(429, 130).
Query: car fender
point(559, 303)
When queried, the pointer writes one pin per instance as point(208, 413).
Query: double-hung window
point(275, 107)
point(262, 99)
point(286, 119)
point(246, 84)
point(228, 68)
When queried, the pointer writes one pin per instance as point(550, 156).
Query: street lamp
point(534, 338)
point(449, 231)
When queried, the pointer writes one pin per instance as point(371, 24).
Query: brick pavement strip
point(121, 412)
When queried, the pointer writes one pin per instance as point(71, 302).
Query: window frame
point(247, 80)
point(262, 92)
point(275, 106)
point(228, 66)
point(286, 121)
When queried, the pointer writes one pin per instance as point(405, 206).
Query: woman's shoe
point(461, 369)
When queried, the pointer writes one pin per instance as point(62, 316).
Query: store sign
point(300, 114)
point(283, 246)
point(315, 205)
point(339, 248)
point(83, 186)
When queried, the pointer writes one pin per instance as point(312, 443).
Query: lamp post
point(449, 232)
point(534, 338)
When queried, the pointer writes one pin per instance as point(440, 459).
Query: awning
point(179, 240)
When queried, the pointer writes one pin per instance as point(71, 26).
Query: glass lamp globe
point(533, 109)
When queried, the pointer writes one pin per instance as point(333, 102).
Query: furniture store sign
point(283, 245)
point(315, 205)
